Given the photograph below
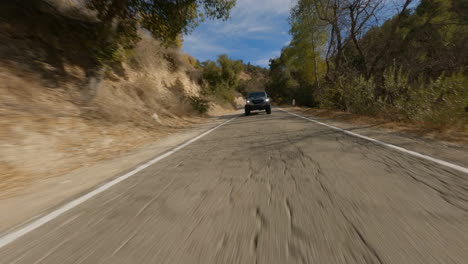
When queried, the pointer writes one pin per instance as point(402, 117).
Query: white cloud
point(263, 6)
point(266, 61)
point(259, 29)
point(262, 62)
point(256, 29)
point(196, 44)
point(253, 16)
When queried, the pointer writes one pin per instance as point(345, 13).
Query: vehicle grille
point(257, 101)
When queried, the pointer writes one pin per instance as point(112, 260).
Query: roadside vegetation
point(86, 80)
point(226, 78)
point(352, 56)
point(83, 81)
point(221, 81)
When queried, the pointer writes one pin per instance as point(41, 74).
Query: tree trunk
point(354, 38)
point(316, 73)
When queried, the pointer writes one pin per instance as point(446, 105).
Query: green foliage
point(225, 95)
point(200, 104)
point(230, 70)
point(408, 68)
point(290, 79)
point(356, 95)
point(359, 96)
point(430, 41)
point(191, 61)
point(255, 78)
point(222, 77)
point(165, 19)
point(395, 84)
point(282, 87)
point(441, 102)
point(331, 97)
point(300, 69)
point(107, 53)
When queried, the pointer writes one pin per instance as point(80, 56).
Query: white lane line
point(413, 153)
point(10, 237)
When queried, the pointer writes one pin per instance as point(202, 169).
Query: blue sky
point(256, 32)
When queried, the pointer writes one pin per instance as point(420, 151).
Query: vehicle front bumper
point(257, 106)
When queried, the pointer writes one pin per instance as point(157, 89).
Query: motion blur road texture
point(266, 189)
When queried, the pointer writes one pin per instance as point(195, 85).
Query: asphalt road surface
point(266, 189)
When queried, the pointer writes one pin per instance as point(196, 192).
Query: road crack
point(261, 224)
point(369, 247)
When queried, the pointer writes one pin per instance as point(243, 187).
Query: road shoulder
point(454, 152)
point(44, 195)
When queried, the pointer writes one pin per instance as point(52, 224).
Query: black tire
point(268, 110)
point(247, 111)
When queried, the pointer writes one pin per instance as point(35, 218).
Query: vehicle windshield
point(255, 95)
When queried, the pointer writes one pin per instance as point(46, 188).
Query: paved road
point(266, 189)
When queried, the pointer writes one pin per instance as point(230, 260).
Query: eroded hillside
point(61, 109)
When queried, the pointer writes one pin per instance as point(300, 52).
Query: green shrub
point(222, 78)
point(199, 104)
point(395, 85)
point(331, 97)
point(441, 102)
point(359, 96)
point(225, 95)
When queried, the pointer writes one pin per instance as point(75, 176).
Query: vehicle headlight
point(248, 101)
point(267, 100)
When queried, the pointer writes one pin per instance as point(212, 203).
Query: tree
point(282, 86)
point(308, 41)
point(389, 36)
point(413, 66)
point(360, 12)
point(222, 77)
point(165, 19)
point(230, 69)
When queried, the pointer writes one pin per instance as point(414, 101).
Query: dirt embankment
point(59, 111)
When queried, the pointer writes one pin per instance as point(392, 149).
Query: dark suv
point(257, 101)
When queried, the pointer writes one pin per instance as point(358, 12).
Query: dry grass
point(38, 147)
point(414, 128)
point(44, 134)
point(49, 130)
point(60, 111)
